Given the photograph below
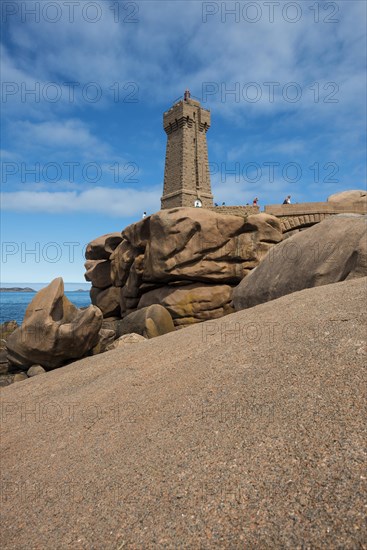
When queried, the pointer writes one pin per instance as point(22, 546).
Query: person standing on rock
point(144, 215)
point(287, 200)
point(255, 201)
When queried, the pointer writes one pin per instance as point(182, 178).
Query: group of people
point(255, 202)
point(287, 200)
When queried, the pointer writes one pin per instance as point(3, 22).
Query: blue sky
point(83, 155)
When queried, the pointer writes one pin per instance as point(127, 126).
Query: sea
point(14, 304)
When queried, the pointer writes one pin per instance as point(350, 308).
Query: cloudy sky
point(85, 85)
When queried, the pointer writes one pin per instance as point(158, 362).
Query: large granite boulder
point(331, 251)
point(191, 303)
point(54, 331)
point(98, 266)
point(149, 322)
point(178, 247)
point(102, 247)
point(35, 370)
point(203, 246)
point(107, 300)
point(189, 245)
point(353, 199)
point(98, 272)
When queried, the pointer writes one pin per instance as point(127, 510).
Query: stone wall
point(235, 210)
point(307, 208)
point(298, 216)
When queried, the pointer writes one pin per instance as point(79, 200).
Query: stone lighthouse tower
point(186, 174)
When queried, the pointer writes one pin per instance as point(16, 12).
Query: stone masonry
point(186, 175)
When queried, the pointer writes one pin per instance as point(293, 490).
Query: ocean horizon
point(69, 287)
point(13, 305)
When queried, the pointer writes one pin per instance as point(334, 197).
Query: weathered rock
point(121, 262)
point(148, 322)
point(191, 303)
point(331, 251)
point(181, 246)
point(108, 300)
point(19, 377)
point(352, 198)
point(106, 338)
point(192, 245)
point(6, 330)
point(4, 363)
point(35, 370)
point(126, 340)
point(111, 323)
point(202, 246)
point(6, 380)
point(54, 330)
point(102, 248)
point(130, 293)
point(98, 273)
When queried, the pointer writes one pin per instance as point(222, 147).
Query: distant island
point(17, 289)
point(27, 289)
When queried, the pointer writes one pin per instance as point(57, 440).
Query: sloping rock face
point(54, 331)
point(188, 442)
point(186, 259)
point(331, 251)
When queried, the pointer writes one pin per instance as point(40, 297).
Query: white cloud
point(171, 47)
point(99, 200)
point(8, 155)
point(60, 135)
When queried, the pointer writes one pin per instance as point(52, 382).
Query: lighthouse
point(186, 174)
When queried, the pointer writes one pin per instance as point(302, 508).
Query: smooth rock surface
point(202, 438)
point(192, 303)
point(127, 340)
point(329, 252)
point(20, 377)
point(35, 370)
point(149, 322)
point(352, 197)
